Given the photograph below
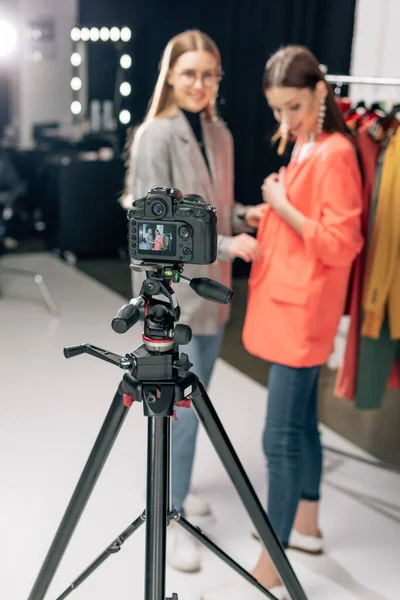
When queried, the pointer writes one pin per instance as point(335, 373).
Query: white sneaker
point(311, 544)
point(183, 551)
point(197, 506)
point(242, 590)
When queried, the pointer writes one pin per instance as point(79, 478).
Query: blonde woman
point(183, 144)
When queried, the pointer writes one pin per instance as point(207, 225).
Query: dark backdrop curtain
point(247, 33)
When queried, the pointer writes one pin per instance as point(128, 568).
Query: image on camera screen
point(154, 237)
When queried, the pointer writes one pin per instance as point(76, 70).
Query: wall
point(376, 48)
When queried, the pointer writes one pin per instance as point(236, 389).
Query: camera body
point(166, 226)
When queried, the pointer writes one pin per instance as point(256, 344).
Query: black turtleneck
point(194, 120)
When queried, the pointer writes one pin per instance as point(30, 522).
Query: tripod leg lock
point(173, 516)
point(182, 404)
point(128, 400)
point(116, 546)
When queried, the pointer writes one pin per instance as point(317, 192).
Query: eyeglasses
point(208, 79)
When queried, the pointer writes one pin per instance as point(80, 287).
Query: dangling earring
point(321, 116)
point(284, 131)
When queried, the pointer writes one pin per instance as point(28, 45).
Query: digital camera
point(166, 226)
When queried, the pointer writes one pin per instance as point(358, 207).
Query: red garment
point(346, 379)
point(344, 104)
point(394, 379)
point(158, 244)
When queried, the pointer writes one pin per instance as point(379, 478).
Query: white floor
point(51, 410)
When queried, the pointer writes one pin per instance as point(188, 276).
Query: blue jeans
point(291, 444)
point(203, 351)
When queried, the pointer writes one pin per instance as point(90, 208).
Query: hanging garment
point(394, 379)
point(382, 275)
point(375, 362)
point(346, 379)
point(376, 358)
point(379, 359)
point(375, 193)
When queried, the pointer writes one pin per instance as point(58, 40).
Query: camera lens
point(158, 208)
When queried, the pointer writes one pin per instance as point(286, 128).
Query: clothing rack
point(346, 79)
point(340, 80)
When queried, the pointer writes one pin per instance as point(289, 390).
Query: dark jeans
point(291, 444)
point(203, 352)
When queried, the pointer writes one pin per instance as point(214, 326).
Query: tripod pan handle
point(211, 290)
point(126, 318)
point(72, 351)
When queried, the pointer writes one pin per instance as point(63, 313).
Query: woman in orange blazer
point(310, 236)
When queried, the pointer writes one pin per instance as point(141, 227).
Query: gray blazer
point(165, 152)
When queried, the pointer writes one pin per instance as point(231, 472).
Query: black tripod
point(159, 377)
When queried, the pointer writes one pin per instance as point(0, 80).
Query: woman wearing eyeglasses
point(183, 144)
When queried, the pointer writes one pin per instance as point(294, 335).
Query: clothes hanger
point(377, 108)
point(385, 126)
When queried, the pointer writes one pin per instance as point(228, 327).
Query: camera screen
point(154, 237)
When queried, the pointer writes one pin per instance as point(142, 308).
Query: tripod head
point(160, 333)
point(156, 364)
point(189, 225)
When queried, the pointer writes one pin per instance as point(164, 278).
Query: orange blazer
point(297, 290)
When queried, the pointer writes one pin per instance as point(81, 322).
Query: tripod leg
point(199, 535)
point(219, 439)
point(156, 506)
point(114, 547)
point(101, 449)
point(168, 490)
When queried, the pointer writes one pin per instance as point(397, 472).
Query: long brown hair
point(296, 66)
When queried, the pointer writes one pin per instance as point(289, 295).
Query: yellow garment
point(382, 277)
